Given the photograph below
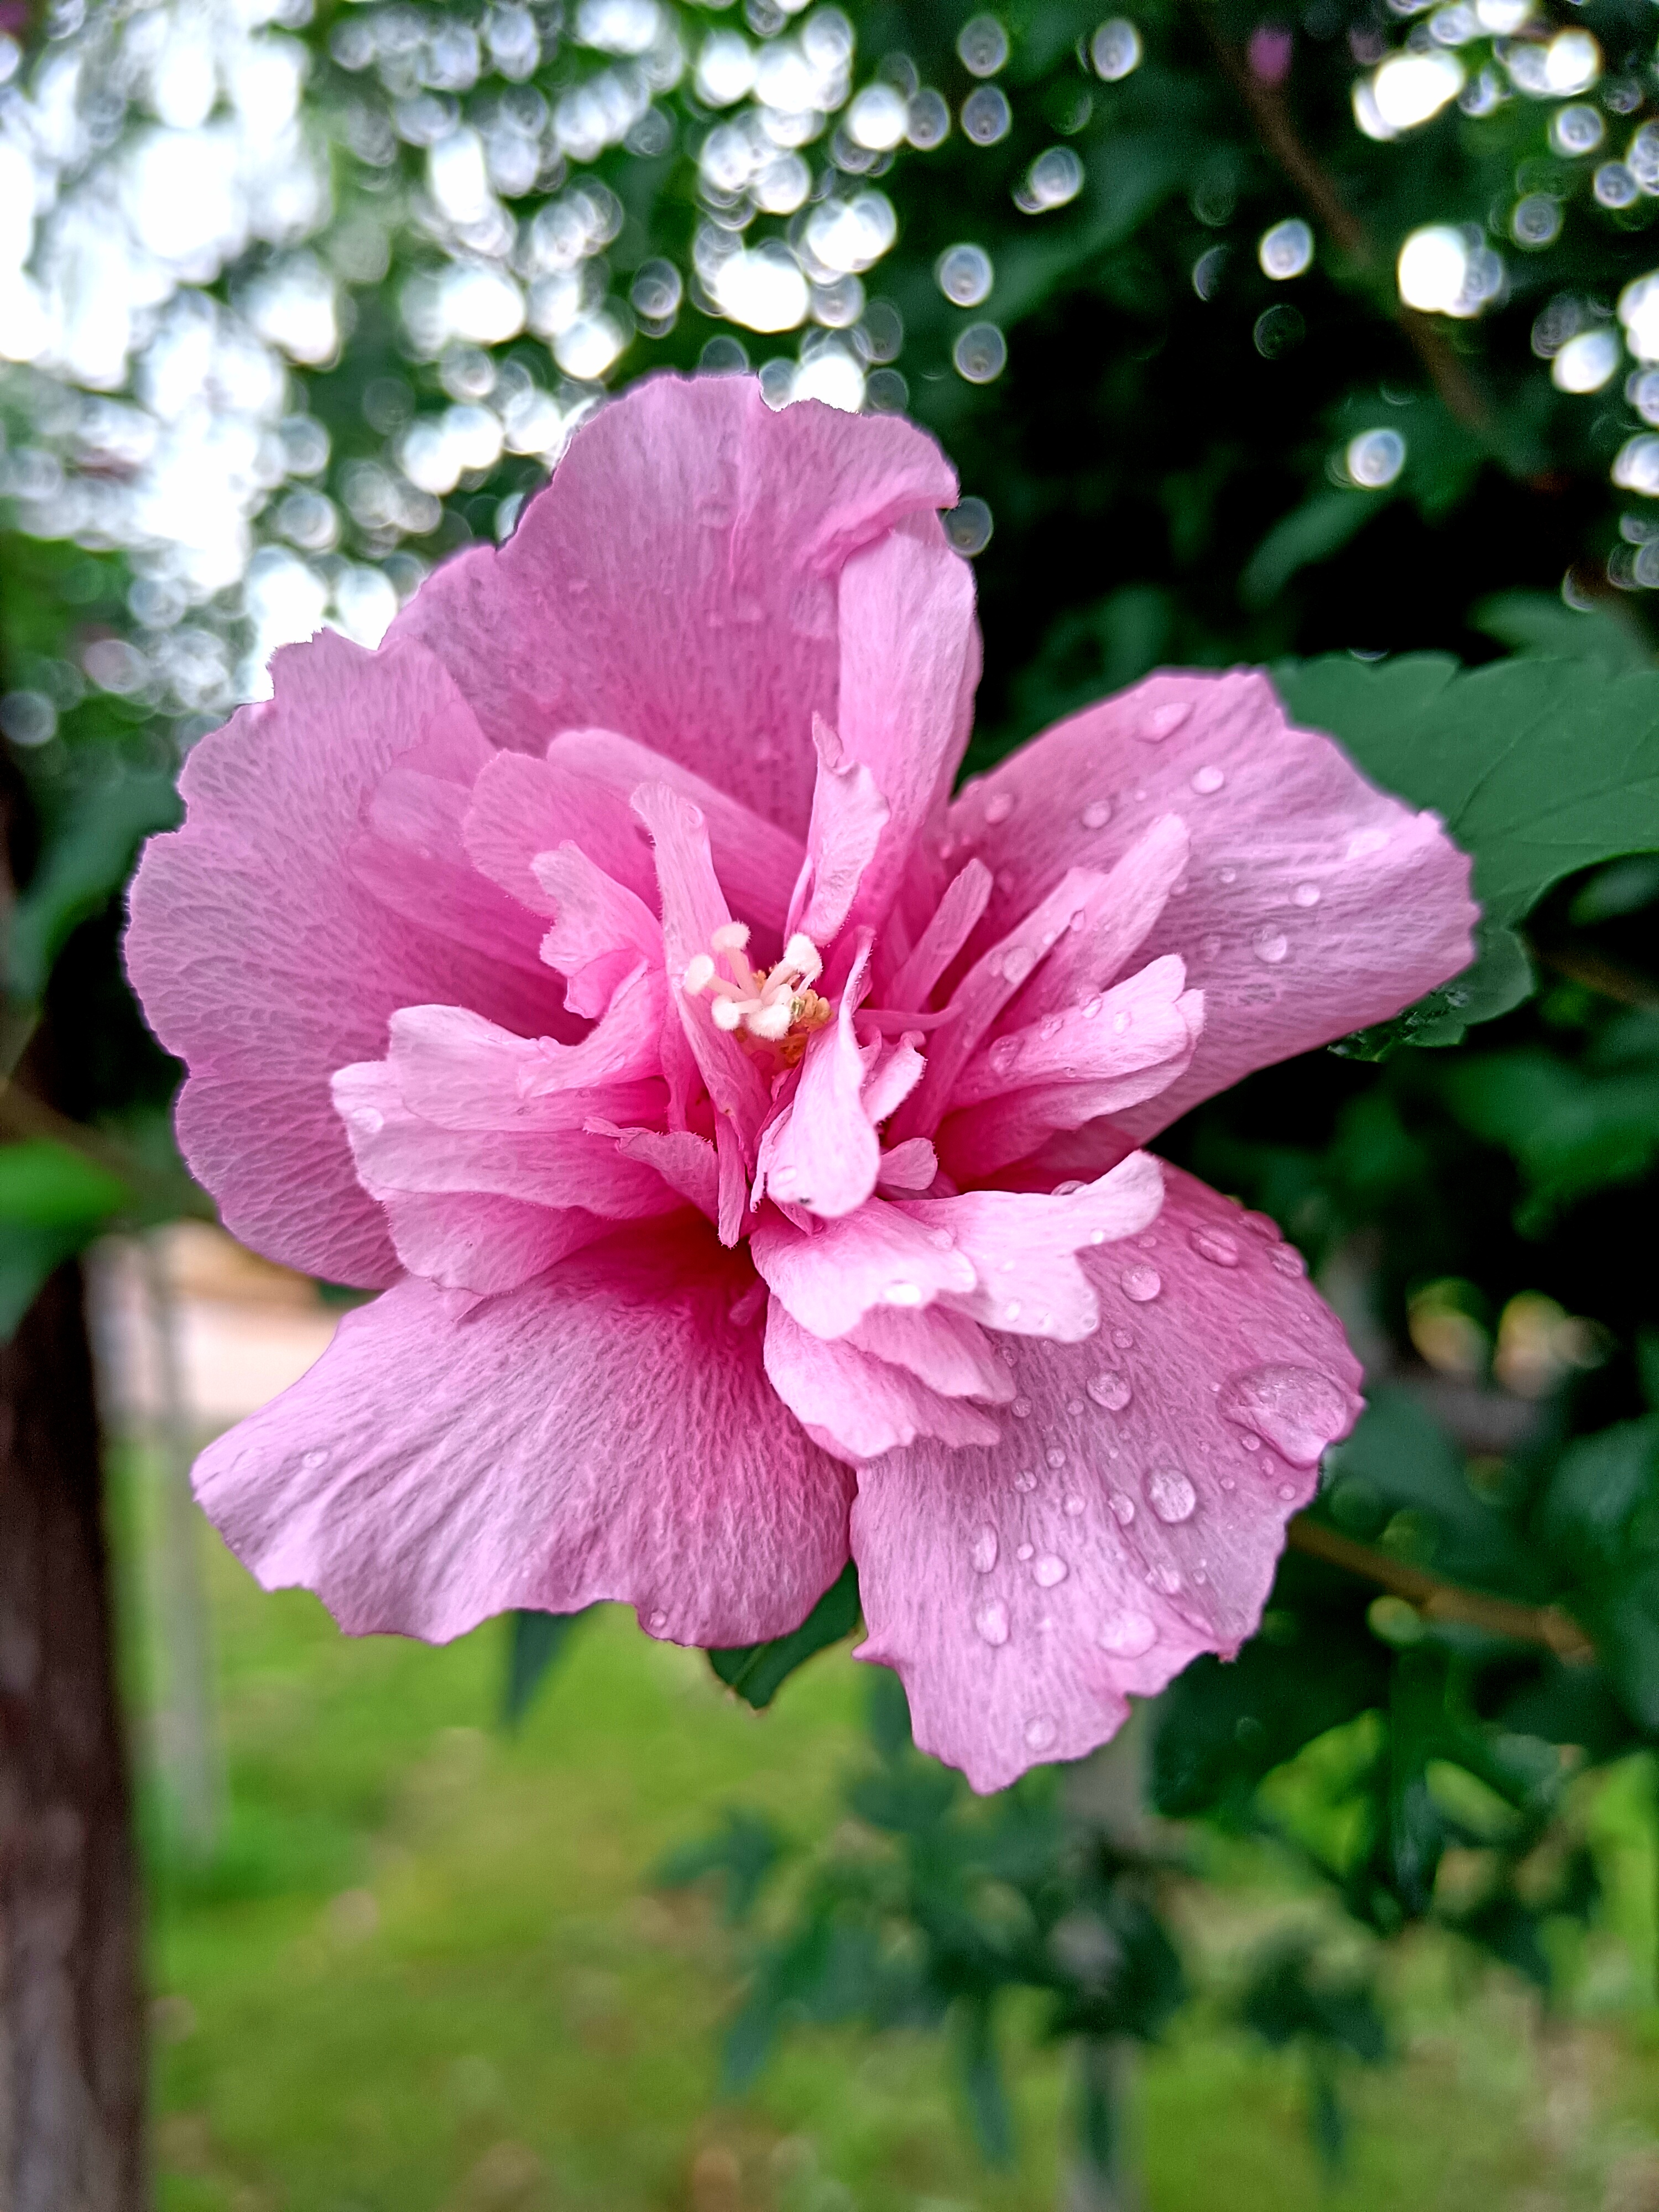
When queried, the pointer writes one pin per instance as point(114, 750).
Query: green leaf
point(1498, 978)
point(1542, 625)
point(1321, 526)
point(535, 1641)
point(1538, 768)
point(27, 1257)
point(45, 1185)
point(758, 1671)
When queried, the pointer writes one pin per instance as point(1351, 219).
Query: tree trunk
point(72, 2040)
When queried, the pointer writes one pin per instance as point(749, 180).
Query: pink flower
point(745, 1130)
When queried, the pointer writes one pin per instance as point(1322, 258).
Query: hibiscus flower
point(742, 1130)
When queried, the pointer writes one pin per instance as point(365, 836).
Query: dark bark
point(71, 2041)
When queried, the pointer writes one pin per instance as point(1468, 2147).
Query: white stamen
point(802, 955)
point(728, 1014)
point(772, 1020)
point(730, 936)
point(699, 974)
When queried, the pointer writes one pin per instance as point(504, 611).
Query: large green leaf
point(1538, 768)
point(52, 1202)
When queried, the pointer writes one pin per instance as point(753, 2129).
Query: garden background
point(1311, 337)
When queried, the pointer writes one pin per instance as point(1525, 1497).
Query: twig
point(1270, 112)
point(1607, 977)
point(1438, 1600)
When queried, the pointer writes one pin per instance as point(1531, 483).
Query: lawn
point(427, 1971)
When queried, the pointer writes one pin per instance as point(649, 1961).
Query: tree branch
point(1270, 112)
point(1438, 1600)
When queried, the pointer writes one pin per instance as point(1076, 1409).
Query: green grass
point(427, 1971)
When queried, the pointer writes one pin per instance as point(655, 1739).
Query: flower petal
point(1024, 1247)
point(604, 1433)
point(468, 1241)
point(831, 1279)
point(848, 816)
point(857, 1406)
point(1316, 904)
point(676, 581)
point(1123, 1525)
point(601, 931)
point(824, 1153)
point(265, 965)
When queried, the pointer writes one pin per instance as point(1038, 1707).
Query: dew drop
point(1040, 1732)
point(1021, 1409)
point(1017, 962)
point(1216, 1246)
point(1026, 1481)
point(1227, 875)
point(1287, 1492)
point(1074, 1406)
point(1090, 1008)
point(1124, 1506)
point(1161, 722)
point(941, 1240)
point(1049, 1570)
point(1123, 1340)
point(1306, 895)
point(1128, 1637)
point(368, 1119)
point(1295, 1409)
point(1074, 1506)
point(1122, 1022)
point(999, 807)
point(1364, 841)
point(1054, 1456)
point(1052, 1026)
point(1078, 919)
point(1109, 1390)
point(984, 1553)
point(1025, 1551)
point(1171, 1497)
point(1207, 780)
point(992, 1622)
point(1011, 1311)
point(903, 1294)
point(318, 1458)
point(1098, 813)
point(1251, 1443)
point(657, 1623)
point(1167, 1579)
point(1142, 1285)
point(1270, 945)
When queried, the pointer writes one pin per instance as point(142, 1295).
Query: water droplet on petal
point(1216, 1246)
point(318, 1458)
point(992, 1622)
point(1122, 1022)
point(1288, 1260)
point(1207, 780)
point(1270, 945)
point(1052, 1026)
point(1287, 1492)
point(1025, 1551)
point(657, 1623)
point(1054, 1456)
point(1142, 1285)
point(1017, 962)
point(1109, 1390)
point(1364, 841)
point(903, 1294)
point(1021, 1409)
point(1167, 1579)
point(999, 807)
point(1295, 1409)
point(1127, 1637)
point(1026, 1481)
point(1124, 1506)
point(1011, 1311)
point(1098, 813)
point(1040, 1732)
point(1049, 1570)
point(1090, 1008)
point(1122, 1338)
point(985, 1551)
point(1171, 1496)
point(1161, 722)
point(1074, 1506)
point(368, 1119)
point(1227, 875)
point(1306, 895)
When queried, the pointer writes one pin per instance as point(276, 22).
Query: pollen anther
point(773, 1010)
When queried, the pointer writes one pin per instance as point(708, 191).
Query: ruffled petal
point(263, 963)
point(822, 1152)
point(1314, 903)
point(1132, 1514)
point(607, 1432)
point(677, 581)
point(469, 1241)
point(880, 1255)
point(856, 1406)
